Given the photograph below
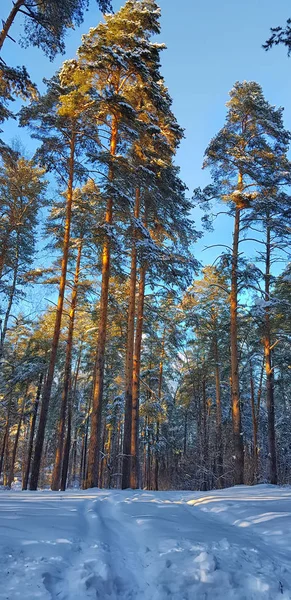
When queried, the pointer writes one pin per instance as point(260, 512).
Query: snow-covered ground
point(230, 544)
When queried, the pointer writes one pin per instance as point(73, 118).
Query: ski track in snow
point(113, 545)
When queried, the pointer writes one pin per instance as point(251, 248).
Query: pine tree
point(46, 23)
point(119, 58)
point(22, 190)
point(63, 120)
point(247, 155)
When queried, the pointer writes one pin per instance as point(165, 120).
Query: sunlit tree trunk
point(9, 21)
point(235, 393)
point(95, 437)
point(272, 460)
point(67, 377)
point(57, 328)
point(128, 417)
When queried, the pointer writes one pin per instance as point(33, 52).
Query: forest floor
point(229, 544)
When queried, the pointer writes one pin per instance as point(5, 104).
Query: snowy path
point(231, 544)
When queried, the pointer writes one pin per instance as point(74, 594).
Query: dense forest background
point(141, 366)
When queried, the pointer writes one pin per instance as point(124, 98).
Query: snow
point(108, 544)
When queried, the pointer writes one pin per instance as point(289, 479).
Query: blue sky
point(210, 45)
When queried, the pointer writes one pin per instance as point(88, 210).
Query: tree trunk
point(128, 416)
point(14, 451)
point(56, 477)
point(255, 426)
point(272, 460)
point(185, 433)
point(95, 437)
point(219, 445)
point(157, 462)
point(53, 357)
point(4, 250)
point(84, 471)
point(134, 450)
point(11, 297)
point(160, 387)
point(6, 433)
point(204, 432)
point(7, 24)
point(235, 394)
point(32, 430)
point(67, 447)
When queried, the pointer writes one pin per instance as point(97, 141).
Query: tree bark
point(15, 445)
point(235, 393)
point(134, 450)
point(11, 297)
point(67, 447)
point(128, 416)
point(31, 434)
point(6, 433)
point(7, 24)
point(4, 250)
point(272, 459)
point(160, 388)
point(219, 446)
point(255, 425)
point(97, 402)
point(56, 477)
point(59, 312)
point(205, 431)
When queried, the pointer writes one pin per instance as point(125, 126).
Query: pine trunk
point(11, 297)
point(126, 468)
point(53, 357)
point(255, 426)
point(97, 402)
point(235, 394)
point(6, 434)
point(134, 450)
point(3, 253)
point(31, 434)
point(56, 477)
point(9, 21)
point(219, 445)
point(205, 432)
point(272, 460)
point(15, 445)
point(67, 446)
